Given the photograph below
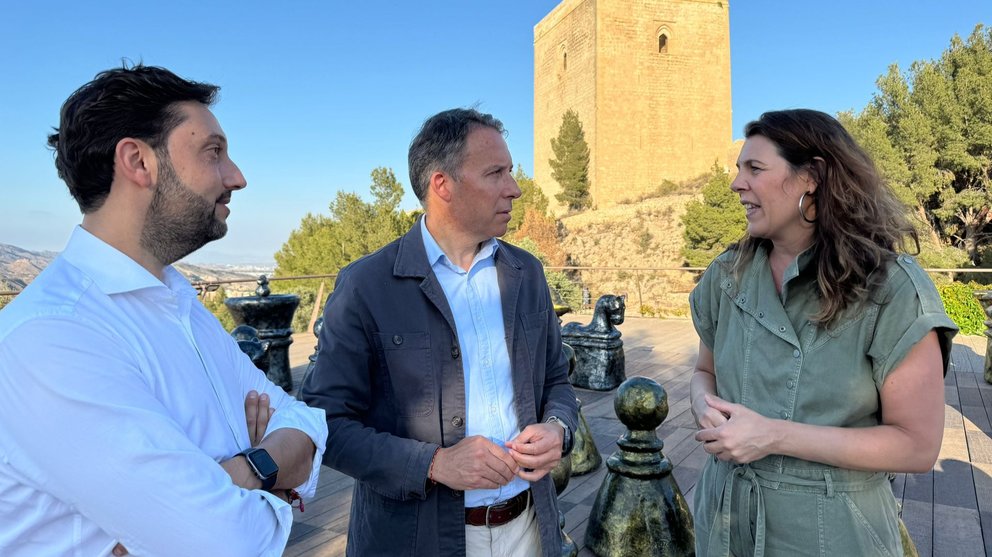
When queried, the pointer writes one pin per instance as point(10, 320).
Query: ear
point(440, 184)
point(814, 174)
point(135, 161)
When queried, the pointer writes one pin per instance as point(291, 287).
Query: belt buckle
point(489, 509)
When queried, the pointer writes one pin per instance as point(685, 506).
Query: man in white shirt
point(131, 421)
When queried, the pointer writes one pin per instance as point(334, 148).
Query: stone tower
point(650, 81)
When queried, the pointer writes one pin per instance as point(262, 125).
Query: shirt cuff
point(310, 421)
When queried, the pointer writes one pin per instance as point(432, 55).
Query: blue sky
point(316, 94)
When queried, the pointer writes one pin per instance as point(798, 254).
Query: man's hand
point(474, 463)
point(537, 450)
point(257, 414)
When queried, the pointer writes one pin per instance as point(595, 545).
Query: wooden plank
point(918, 517)
point(959, 525)
point(956, 532)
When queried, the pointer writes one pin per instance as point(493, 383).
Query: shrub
point(962, 307)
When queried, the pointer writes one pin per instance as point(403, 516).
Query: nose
point(738, 184)
point(515, 191)
point(233, 178)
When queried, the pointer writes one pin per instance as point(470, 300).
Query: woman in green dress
point(821, 357)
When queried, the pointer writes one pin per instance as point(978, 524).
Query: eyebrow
point(748, 162)
point(220, 138)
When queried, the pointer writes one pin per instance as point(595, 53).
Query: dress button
point(457, 421)
point(784, 414)
point(455, 352)
point(397, 340)
point(795, 353)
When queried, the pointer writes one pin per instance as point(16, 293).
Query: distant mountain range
point(19, 266)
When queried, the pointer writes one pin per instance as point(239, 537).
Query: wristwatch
point(262, 465)
point(566, 443)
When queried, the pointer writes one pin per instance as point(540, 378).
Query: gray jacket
point(389, 376)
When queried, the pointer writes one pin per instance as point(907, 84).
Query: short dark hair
point(138, 102)
point(440, 144)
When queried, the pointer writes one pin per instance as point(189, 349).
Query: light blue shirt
point(475, 303)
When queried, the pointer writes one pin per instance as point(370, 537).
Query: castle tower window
point(662, 43)
point(564, 60)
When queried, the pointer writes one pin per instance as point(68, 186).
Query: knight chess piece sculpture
point(247, 338)
point(600, 363)
point(639, 510)
point(318, 326)
point(985, 298)
point(272, 316)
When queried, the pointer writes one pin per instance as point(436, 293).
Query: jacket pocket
point(406, 358)
point(536, 335)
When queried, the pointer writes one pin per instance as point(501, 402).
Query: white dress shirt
point(476, 305)
point(119, 396)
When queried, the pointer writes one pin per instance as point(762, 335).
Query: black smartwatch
point(262, 465)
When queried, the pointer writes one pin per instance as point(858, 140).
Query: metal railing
point(213, 285)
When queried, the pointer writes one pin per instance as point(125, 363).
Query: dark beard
point(178, 221)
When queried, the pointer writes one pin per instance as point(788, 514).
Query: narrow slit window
point(662, 43)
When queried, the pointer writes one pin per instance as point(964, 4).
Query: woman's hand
point(743, 436)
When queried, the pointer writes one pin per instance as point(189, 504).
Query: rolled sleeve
point(290, 414)
point(120, 459)
point(911, 309)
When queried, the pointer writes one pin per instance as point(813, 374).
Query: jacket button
point(457, 421)
point(455, 494)
point(795, 353)
point(397, 340)
point(791, 384)
point(455, 352)
point(784, 414)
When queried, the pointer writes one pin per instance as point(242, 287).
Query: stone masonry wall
point(648, 115)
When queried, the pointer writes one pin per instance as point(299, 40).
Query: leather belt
point(500, 513)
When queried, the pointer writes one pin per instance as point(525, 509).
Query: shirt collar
point(435, 254)
point(112, 271)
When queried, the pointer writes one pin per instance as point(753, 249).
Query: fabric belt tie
point(500, 513)
point(746, 482)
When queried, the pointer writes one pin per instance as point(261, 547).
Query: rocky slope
point(646, 235)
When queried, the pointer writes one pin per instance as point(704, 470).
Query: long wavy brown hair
point(860, 224)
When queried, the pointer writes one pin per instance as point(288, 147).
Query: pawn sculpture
point(639, 510)
point(560, 475)
point(585, 455)
point(598, 347)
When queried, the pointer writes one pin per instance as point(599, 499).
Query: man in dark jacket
point(441, 370)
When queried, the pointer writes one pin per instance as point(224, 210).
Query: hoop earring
point(803, 213)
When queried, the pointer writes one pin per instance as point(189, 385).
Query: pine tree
point(714, 223)
point(570, 167)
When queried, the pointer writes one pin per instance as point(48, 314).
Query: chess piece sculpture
point(598, 347)
point(639, 510)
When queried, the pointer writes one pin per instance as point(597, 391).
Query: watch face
point(262, 462)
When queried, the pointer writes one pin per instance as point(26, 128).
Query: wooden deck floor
point(948, 511)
